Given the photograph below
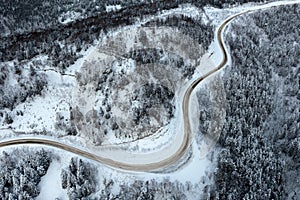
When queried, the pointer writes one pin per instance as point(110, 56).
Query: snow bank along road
point(171, 159)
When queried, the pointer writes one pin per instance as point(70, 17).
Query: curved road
point(185, 109)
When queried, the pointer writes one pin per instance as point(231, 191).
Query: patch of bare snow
point(6, 133)
point(79, 62)
point(40, 113)
point(197, 167)
point(68, 17)
point(110, 8)
point(50, 185)
point(126, 66)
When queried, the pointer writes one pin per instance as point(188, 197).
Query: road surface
point(111, 161)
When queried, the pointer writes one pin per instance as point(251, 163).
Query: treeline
point(152, 189)
point(34, 32)
point(62, 43)
point(195, 28)
point(82, 180)
point(21, 172)
point(260, 138)
point(83, 31)
point(24, 16)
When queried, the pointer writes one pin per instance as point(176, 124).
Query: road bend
point(172, 159)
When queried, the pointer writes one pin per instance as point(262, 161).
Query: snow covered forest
point(21, 171)
point(100, 76)
point(261, 139)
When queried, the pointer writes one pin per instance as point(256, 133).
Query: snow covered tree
point(79, 179)
point(260, 137)
point(21, 172)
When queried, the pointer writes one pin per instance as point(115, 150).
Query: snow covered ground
point(41, 115)
point(50, 185)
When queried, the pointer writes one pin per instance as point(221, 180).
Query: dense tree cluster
point(17, 85)
point(195, 28)
point(145, 190)
point(159, 56)
point(152, 95)
point(21, 172)
point(205, 113)
point(152, 190)
point(24, 16)
point(65, 123)
point(29, 29)
point(145, 56)
point(80, 33)
point(260, 138)
point(79, 179)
